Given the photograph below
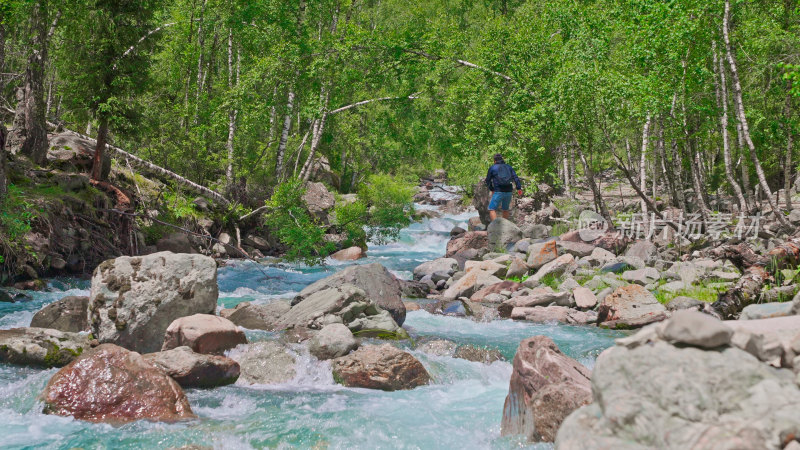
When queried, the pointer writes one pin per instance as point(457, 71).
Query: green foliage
point(16, 214)
point(289, 219)
point(390, 206)
point(551, 280)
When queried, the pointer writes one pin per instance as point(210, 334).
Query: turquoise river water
point(461, 408)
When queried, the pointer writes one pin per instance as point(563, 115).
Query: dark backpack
point(504, 177)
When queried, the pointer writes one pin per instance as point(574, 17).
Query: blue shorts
point(500, 200)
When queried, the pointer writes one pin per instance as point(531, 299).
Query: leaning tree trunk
point(3, 170)
point(643, 161)
point(233, 80)
point(287, 125)
point(598, 197)
point(726, 145)
point(100, 150)
point(34, 135)
point(787, 166)
point(756, 270)
point(737, 90)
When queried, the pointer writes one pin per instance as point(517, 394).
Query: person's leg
point(506, 204)
point(494, 205)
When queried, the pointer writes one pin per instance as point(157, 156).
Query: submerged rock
point(546, 386)
point(380, 367)
point(134, 299)
point(41, 347)
point(478, 354)
point(192, 369)
point(203, 333)
point(111, 384)
point(378, 284)
point(332, 341)
point(662, 396)
point(257, 317)
point(67, 314)
point(264, 363)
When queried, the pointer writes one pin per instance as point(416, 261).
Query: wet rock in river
point(191, 369)
point(378, 284)
point(203, 333)
point(381, 367)
point(67, 314)
point(112, 384)
point(332, 341)
point(546, 386)
point(264, 363)
point(257, 316)
point(41, 347)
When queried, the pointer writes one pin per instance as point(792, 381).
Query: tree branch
point(364, 102)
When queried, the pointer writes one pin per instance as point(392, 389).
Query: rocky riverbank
point(156, 319)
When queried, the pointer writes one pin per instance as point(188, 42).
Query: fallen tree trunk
point(756, 270)
point(158, 170)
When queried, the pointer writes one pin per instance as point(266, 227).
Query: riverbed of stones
point(686, 379)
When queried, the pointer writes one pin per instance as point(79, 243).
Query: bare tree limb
point(364, 102)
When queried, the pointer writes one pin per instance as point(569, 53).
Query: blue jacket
point(492, 176)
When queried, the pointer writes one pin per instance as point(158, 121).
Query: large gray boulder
point(67, 314)
point(134, 299)
point(255, 316)
point(345, 304)
point(41, 347)
point(662, 396)
point(546, 386)
point(376, 281)
point(502, 233)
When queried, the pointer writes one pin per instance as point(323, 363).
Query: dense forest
point(693, 102)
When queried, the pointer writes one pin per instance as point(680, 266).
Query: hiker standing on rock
point(501, 180)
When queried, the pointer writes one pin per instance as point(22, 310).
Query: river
point(461, 408)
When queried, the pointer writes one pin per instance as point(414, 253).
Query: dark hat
point(498, 157)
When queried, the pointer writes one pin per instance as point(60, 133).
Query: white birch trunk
point(737, 90)
point(643, 161)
